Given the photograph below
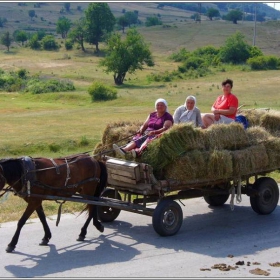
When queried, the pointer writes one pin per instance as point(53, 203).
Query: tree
point(2, 21)
point(99, 21)
point(34, 42)
point(6, 40)
point(211, 12)
point(123, 22)
point(32, 14)
point(235, 50)
point(78, 33)
point(126, 55)
point(131, 17)
point(63, 25)
point(234, 16)
point(67, 6)
point(49, 43)
point(20, 36)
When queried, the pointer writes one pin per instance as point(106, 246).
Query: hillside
point(178, 29)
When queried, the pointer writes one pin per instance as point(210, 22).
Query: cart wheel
point(216, 200)
point(106, 213)
point(167, 217)
point(268, 195)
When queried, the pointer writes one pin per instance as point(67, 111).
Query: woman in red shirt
point(224, 108)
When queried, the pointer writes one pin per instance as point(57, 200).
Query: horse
point(33, 179)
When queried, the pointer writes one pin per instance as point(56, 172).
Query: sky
point(277, 5)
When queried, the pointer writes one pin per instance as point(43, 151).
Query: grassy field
point(57, 124)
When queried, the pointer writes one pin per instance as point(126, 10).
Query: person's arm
point(144, 126)
point(167, 124)
point(225, 112)
point(176, 115)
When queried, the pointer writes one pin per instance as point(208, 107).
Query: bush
point(49, 43)
point(192, 62)
point(101, 92)
point(37, 86)
point(264, 62)
point(69, 45)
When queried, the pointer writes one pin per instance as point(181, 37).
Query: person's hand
point(217, 117)
point(151, 133)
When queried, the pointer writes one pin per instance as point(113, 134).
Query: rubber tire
point(167, 217)
point(108, 214)
point(268, 197)
point(216, 200)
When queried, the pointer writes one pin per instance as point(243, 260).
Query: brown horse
point(34, 178)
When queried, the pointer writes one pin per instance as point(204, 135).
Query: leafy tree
point(131, 17)
point(6, 40)
point(126, 55)
point(99, 21)
point(234, 16)
point(20, 36)
point(211, 12)
point(41, 34)
point(63, 25)
point(2, 21)
point(34, 43)
point(123, 22)
point(32, 14)
point(67, 6)
point(235, 50)
point(78, 33)
point(49, 43)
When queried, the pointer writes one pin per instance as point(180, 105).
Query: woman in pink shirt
point(224, 108)
point(156, 123)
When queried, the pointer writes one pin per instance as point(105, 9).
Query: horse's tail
point(103, 179)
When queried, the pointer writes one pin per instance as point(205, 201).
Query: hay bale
point(225, 136)
point(250, 160)
point(113, 133)
point(172, 144)
point(253, 115)
point(271, 121)
point(272, 147)
point(201, 165)
point(257, 135)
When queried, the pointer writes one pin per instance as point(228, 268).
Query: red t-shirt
point(229, 101)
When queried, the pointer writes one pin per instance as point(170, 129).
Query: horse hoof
point(101, 228)
point(10, 249)
point(80, 238)
point(44, 242)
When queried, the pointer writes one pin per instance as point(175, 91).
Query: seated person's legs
point(208, 119)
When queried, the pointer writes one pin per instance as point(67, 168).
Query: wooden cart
point(142, 193)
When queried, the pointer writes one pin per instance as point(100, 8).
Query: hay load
point(222, 151)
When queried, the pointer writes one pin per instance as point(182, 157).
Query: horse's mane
point(12, 168)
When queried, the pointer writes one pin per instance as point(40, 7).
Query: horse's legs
point(92, 214)
point(83, 232)
point(27, 213)
point(42, 217)
point(96, 222)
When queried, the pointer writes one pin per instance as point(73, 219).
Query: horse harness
point(29, 178)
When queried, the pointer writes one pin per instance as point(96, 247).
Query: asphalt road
point(129, 246)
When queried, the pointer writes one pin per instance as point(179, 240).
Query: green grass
point(60, 124)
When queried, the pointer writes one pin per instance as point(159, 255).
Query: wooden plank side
point(121, 179)
point(130, 168)
point(139, 186)
point(125, 173)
